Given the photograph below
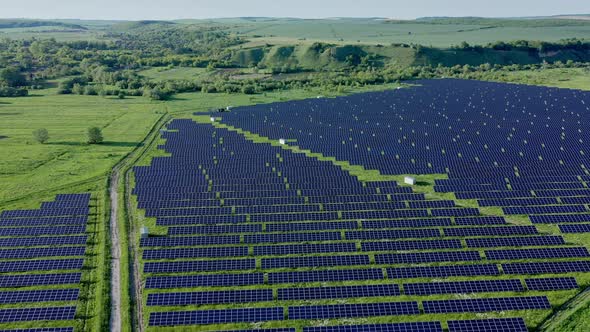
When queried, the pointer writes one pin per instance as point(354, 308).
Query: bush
point(41, 135)
point(13, 92)
point(95, 135)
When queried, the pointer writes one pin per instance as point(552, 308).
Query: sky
point(178, 9)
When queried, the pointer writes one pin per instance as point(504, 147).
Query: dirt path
point(115, 322)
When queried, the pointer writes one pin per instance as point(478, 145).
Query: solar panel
point(411, 245)
point(487, 304)
point(292, 237)
point(209, 280)
point(194, 266)
point(353, 310)
point(42, 329)
point(546, 267)
point(41, 265)
point(392, 234)
point(182, 241)
point(37, 296)
point(149, 254)
point(37, 314)
point(463, 287)
point(314, 261)
point(215, 297)
point(200, 317)
point(26, 280)
point(391, 327)
point(514, 241)
point(322, 276)
point(443, 271)
point(315, 293)
point(425, 257)
point(541, 253)
point(547, 284)
point(575, 228)
point(488, 325)
point(560, 218)
point(487, 220)
point(43, 241)
point(490, 231)
point(41, 252)
point(293, 249)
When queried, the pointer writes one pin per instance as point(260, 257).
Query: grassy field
point(28, 168)
point(374, 31)
point(571, 78)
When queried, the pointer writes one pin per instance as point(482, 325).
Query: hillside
point(322, 56)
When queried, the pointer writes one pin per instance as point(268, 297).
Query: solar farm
point(247, 233)
point(42, 262)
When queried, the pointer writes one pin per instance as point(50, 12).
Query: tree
point(41, 135)
point(12, 77)
point(94, 135)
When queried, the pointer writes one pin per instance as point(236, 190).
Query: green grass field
point(29, 168)
point(376, 31)
point(571, 78)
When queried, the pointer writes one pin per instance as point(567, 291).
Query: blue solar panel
point(37, 314)
point(541, 253)
point(323, 276)
point(487, 304)
point(575, 228)
point(316, 293)
point(26, 280)
point(411, 245)
point(488, 325)
point(426, 257)
point(199, 317)
point(463, 287)
point(293, 249)
point(546, 267)
point(392, 234)
point(194, 266)
point(37, 296)
point(547, 284)
point(487, 220)
point(195, 252)
point(314, 261)
point(41, 265)
point(291, 237)
point(215, 297)
point(353, 310)
point(487, 231)
point(443, 271)
point(410, 223)
point(515, 241)
point(391, 327)
point(42, 329)
point(560, 218)
point(209, 280)
point(41, 252)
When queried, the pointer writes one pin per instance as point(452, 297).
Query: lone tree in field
point(41, 135)
point(94, 135)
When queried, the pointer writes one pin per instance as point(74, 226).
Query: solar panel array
point(256, 231)
point(41, 259)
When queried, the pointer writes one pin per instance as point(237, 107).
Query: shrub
point(95, 135)
point(41, 135)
